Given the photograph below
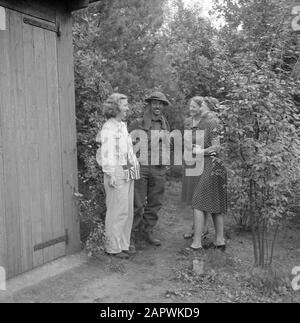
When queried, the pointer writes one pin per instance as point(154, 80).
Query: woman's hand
point(112, 181)
point(198, 150)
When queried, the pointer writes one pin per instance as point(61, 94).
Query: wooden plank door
point(32, 162)
point(40, 61)
point(9, 87)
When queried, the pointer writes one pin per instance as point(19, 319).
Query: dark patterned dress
point(189, 183)
point(210, 193)
point(207, 192)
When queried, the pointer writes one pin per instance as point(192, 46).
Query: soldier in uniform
point(149, 189)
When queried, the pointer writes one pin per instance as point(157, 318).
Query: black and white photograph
point(149, 154)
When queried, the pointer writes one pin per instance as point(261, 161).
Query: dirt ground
point(165, 274)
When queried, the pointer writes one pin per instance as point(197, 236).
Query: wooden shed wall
point(38, 169)
point(68, 128)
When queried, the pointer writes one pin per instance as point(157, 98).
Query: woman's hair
point(112, 104)
point(211, 102)
point(198, 100)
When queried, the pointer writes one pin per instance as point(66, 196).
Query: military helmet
point(159, 97)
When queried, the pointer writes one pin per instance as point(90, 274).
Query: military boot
point(132, 247)
point(149, 237)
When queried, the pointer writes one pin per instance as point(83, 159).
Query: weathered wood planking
point(45, 145)
point(4, 101)
point(48, 222)
point(38, 157)
point(32, 103)
point(68, 129)
point(57, 218)
point(21, 151)
point(46, 149)
point(41, 9)
point(12, 198)
point(39, 93)
point(32, 145)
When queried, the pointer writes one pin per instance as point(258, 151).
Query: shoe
point(190, 235)
point(132, 249)
point(129, 252)
point(132, 246)
point(213, 246)
point(121, 255)
point(151, 240)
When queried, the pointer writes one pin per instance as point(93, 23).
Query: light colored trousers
point(119, 214)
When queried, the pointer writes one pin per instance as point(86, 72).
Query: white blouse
point(115, 155)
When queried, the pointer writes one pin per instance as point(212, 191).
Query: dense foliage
point(249, 64)
point(114, 43)
point(261, 117)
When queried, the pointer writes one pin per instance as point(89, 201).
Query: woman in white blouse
point(121, 168)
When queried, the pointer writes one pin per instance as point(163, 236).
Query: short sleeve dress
point(210, 192)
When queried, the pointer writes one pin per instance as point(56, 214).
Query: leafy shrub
point(261, 137)
point(269, 281)
point(96, 240)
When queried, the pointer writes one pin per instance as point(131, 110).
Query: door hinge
point(52, 242)
point(43, 25)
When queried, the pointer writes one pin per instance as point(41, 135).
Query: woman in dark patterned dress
point(210, 193)
point(189, 182)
